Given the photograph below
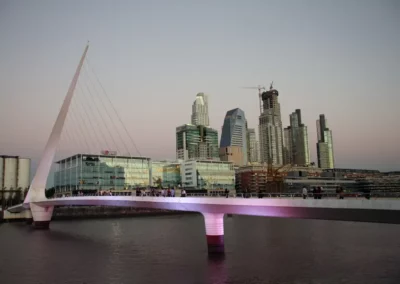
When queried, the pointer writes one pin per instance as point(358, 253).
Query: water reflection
point(115, 266)
point(173, 250)
point(217, 272)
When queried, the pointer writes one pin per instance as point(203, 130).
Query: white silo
point(14, 174)
point(24, 174)
point(1, 172)
point(10, 173)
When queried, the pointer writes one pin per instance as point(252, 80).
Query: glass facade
point(252, 146)
point(196, 142)
point(234, 132)
point(325, 144)
point(208, 174)
point(101, 172)
point(172, 175)
point(165, 174)
point(296, 141)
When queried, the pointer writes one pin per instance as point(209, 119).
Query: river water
point(172, 249)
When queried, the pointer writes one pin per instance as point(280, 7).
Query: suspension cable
point(87, 117)
point(98, 111)
point(120, 120)
point(97, 123)
point(109, 116)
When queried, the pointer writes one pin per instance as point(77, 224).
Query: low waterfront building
point(207, 174)
point(328, 185)
point(101, 172)
point(172, 175)
point(165, 174)
point(350, 173)
point(252, 177)
point(255, 178)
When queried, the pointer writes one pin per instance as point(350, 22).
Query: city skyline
point(39, 62)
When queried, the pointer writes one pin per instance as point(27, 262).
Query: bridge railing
point(248, 195)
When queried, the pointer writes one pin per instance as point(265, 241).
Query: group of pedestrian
point(340, 192)
point(104, 193)
point(169, 192)
point(316, 192)
point(246, 193)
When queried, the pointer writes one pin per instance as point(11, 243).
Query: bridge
point(213, 209)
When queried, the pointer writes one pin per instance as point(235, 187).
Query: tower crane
point(259, 88)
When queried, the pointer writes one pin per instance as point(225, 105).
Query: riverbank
point(100, 212)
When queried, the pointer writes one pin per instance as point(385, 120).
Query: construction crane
point(259, 88)
point(275, 176)
point(281, 172)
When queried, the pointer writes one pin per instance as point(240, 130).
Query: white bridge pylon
point(37, 188)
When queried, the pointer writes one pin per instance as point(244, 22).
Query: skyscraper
point(252, 146)
point(233, 146)
point(200, 110)
point(324, 144)
point(270, 129)
point(287, 146)
point(196, 142)
point(296, 147)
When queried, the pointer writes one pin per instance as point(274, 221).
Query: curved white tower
point(42, 215)
point(200, 110)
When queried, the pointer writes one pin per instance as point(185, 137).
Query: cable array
point(93, 123)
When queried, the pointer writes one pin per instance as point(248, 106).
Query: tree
point(50, 192)
point(158, 182)
point(18, 196)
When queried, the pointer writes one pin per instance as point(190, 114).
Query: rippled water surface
point(172, 249)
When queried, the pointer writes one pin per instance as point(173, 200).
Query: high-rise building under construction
point(270, 129)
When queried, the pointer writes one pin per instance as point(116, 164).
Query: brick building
point(252, 177)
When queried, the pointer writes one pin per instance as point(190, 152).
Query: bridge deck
point(352, 209)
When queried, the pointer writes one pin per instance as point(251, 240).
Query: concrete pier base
point(41, 216)
point(214, 232)
point(41, 225)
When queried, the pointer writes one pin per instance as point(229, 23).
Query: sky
point(340, 58)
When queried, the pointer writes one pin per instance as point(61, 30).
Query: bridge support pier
point(41, 216)
point(214, 232)
point(29, 218)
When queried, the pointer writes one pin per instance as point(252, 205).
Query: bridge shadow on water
point(216, 269)
point(174, 250)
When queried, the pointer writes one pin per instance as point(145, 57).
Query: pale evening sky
point(340, 58)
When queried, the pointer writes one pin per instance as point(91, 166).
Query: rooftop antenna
point(271, 86)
